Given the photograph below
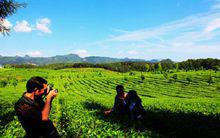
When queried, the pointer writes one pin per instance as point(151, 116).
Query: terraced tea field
point(185, 105)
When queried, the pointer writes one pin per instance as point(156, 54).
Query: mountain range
point(70, 58)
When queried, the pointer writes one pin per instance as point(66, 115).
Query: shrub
point(131, 73)
point(100, 74)
point(15, 82)
point(66, 85)
point(142, 77)
point(165, 75)
point(210, 79)
point(174, 77)
point(125, 78)
point(218, 88)
point(188, 78)
point(3, 83)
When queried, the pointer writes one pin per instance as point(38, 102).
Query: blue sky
point(147, 29)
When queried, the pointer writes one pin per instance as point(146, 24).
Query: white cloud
point(22, 26)
point(189, 26)
point(43, 25)
point(180, 52)
point(34, 53)
point(81, 52)
point(213, 25)
point(30, 53)
point(132, 52)
point(189, 36)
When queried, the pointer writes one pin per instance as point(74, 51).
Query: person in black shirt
point(127, 104)
point(33, 113)
point(120, 107)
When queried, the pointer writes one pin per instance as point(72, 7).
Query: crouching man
point(33, 112)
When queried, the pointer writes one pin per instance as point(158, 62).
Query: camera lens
point(45, 91)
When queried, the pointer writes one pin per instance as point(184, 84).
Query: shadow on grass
point(165, 123)
point(6, 117)
point(124, 122)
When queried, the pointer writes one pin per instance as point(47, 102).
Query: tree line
point(163, 65)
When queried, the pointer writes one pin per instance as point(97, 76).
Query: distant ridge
point(70, 58)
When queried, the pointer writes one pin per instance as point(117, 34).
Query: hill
point(70, 58)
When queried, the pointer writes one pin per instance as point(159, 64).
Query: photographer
point(33, 113)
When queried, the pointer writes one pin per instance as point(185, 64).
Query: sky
point(145, 29)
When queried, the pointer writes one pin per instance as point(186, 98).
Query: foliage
point(167, 64)
point(14, 82)
point(74, 61)
point(132, 73)
point(142, 77)
point(77, 110)
point(165, 75)
point(200, 64)
point(3, 83)
point(174, 77)
point(218, 88)
point(147, 67)
point(188, 79)
point(158, 66)
point(7, 8)
point(210, 79)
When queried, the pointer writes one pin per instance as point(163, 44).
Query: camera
point(49, 88)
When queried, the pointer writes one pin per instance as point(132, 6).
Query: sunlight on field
point(85, 93)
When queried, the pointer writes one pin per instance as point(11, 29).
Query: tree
point(65, 85)
point(165, 75)
point(142, 77)
point(177, 66)
point(200, 64)
point(188, 78)
point(14, 82)
point(147, 67)
point(216, 68)
point(174, 77)
point(125, 78)
point(7, 8)
point(100, 74)
point(210, 79)
point(3, 83)
point(131, 73)
point(158, 67)
point(167, 64)
point(218, 88)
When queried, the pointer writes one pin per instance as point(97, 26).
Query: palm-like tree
point(7, 8)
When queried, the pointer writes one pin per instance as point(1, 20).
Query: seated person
point(120, 107)
point(136, 109)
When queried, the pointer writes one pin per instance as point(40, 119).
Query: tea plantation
point(178, 104)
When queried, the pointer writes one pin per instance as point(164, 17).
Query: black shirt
point(29, 115)
point(120, 105)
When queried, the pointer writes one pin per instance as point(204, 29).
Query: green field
point(174, 107)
